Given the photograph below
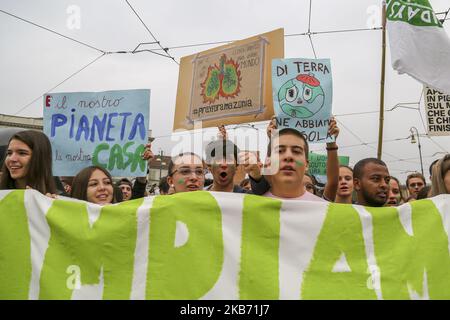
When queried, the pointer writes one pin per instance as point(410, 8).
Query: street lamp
point(413, 140)
point(161, 163)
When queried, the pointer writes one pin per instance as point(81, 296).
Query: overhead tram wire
point(365, 143)
point(286, 36)
point(78, 41)
point(52, 31)
point(154, 38)
point(69, 77)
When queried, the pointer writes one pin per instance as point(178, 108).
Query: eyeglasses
point(199, 172)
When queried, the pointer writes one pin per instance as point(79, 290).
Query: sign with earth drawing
point(302, 96)
point(230, 84)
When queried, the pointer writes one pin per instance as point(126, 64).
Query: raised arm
point(332, 184)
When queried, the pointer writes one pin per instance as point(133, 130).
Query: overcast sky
point(33, 61)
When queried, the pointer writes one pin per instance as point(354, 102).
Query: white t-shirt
point(307, 196)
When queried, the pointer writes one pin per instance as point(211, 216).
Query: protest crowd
point(284, 175)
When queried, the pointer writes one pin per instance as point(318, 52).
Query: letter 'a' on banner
point(107, 129)
point(419, 44)
point(437, 109)
point(230, 84)
point(302, 96)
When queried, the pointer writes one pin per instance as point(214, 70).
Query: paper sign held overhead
point(229, 84)
point(107, 129)
point(302, 96)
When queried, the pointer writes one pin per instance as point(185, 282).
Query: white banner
point(202, 245)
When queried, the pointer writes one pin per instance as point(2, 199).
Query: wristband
point(332, 148)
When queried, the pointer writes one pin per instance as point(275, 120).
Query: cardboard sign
point(318, 163)
point(229, 84)
point(437, 108)
point(302, 96)
point(108, 129)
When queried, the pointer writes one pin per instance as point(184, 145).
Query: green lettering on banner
point(191, 270)
point(259, 276)
point(108, 245)
point(115, 158)
point(403, 259)
point(341, 233)
point(15, 244)
point(138, 159)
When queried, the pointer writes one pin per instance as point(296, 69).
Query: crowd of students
point(28, 164)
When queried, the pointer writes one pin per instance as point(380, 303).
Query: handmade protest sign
point(437, 108)
point(228, 84)
point(219, 245)
point(317, 163)
point(302, 96)
point(107, 128)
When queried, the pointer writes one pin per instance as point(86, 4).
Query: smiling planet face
point(301, 97)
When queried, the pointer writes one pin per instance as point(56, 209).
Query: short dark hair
point(163, 185)
point(221, 147)
point(125, 181)
point(81, 181)
point(415, 175)
point(173, 159)
point(358, 169)
point(291, 131)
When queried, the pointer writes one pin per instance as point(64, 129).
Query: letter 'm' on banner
point(109, 245)
point(405, 260)
point(341, 233)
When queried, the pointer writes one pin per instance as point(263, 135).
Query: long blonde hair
point(439, 170)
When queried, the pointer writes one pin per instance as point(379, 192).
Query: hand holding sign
point(333, 131)
point(148, 153)
point(272, 126)
point(251, 164)
point(302, 96)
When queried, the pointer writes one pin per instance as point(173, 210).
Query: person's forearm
point(332, 171)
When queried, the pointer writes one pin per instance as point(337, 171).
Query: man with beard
point(371, 182)
point(221, 158)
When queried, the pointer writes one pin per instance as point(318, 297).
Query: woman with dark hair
point(28, 163)
point(94, 184)
point(345, 188)
point(395, 197)
point(309, 183)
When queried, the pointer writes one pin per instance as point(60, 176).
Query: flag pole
point(383, 68)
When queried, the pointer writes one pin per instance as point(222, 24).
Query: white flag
point(419, 44)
